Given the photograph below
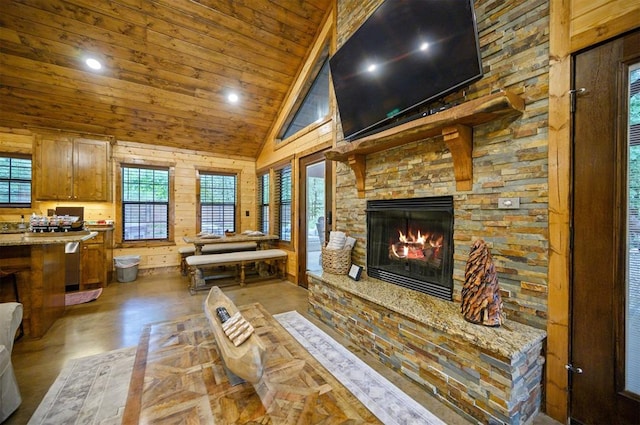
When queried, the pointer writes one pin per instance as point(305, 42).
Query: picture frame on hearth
point(354, 272)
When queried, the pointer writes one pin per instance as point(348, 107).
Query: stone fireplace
point(489, 147)
point(409, 243)
point(486, 374)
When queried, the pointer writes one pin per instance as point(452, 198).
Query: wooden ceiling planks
point(168, 67)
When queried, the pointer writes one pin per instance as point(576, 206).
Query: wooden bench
point(217, 248)
point(198, 263)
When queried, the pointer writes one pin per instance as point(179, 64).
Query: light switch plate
point(508, 203)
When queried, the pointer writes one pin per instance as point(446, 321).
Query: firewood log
point(481, 300)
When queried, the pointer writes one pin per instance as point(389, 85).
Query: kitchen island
point(39, 262)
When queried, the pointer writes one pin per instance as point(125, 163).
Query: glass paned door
point(632, 331)
point(315, 208)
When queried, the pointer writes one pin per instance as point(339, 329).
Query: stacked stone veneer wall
point(509, 160)
point(482, 384)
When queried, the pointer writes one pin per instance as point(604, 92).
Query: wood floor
point(117, 318)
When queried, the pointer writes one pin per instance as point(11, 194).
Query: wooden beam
point(559, 158)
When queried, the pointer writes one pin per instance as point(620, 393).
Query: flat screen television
point(406, 55)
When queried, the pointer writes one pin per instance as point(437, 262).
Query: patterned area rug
point(385, 400)
point(93, 390)
point(89, 390)
point(73, 298)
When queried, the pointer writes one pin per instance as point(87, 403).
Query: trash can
point(127, 267)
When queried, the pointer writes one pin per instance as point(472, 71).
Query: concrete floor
point(116, 319)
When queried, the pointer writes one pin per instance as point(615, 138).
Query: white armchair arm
point(10, 318)
point(10, 399)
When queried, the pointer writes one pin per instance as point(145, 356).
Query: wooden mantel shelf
point(454, 124)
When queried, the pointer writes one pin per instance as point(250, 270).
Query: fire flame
point(418, 247)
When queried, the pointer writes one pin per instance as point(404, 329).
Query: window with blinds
point(15, 181)
point(145, 203)
point(217, 202)
point(283, 197)
point(263, 203)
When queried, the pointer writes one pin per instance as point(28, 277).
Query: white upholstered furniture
point(10, 319)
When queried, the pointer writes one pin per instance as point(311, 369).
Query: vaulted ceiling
point(168, 67)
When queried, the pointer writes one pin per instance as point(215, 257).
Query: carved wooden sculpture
point(481, 300)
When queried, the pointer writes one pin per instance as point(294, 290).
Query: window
point(145, 203)
point(283, 197)
point(263, 203)
point(15, 181)
point(217, 199)
point(632, 249)
point(315, 104)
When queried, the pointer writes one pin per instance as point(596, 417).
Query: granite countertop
point(510, 340)
point(29, 238)
point(100, 227)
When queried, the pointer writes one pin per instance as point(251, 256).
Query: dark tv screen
point(406, 54)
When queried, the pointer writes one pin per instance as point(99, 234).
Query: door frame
point(302, 208)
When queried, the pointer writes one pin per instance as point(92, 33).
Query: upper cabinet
point(72, 168)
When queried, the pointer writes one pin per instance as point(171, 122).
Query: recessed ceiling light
point(424, 46)
point(93, 63)
point(372, 67)
point(233, 98)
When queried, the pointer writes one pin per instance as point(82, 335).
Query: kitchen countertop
point(29, 238)
point(100, 227)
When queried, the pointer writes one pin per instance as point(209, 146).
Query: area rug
point(93, 390)
point(385, 400)
point(88, 390)
point(73, 298)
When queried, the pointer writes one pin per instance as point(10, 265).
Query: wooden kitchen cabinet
point(72, 168)
point(96, 261)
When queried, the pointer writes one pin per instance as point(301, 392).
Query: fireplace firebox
point(410, 243)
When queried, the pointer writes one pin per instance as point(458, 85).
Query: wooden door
point(91, 170)
point(54, 168)
point(599, 391)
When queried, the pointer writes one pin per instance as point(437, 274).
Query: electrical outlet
point(508, 203)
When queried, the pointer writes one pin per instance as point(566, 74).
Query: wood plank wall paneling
point(11, 142)
point(186, 163)
point(167, 67)
point(313, 139)
point(557, 350)
point(594, 21)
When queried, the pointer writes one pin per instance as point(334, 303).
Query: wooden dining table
point(263, 241)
